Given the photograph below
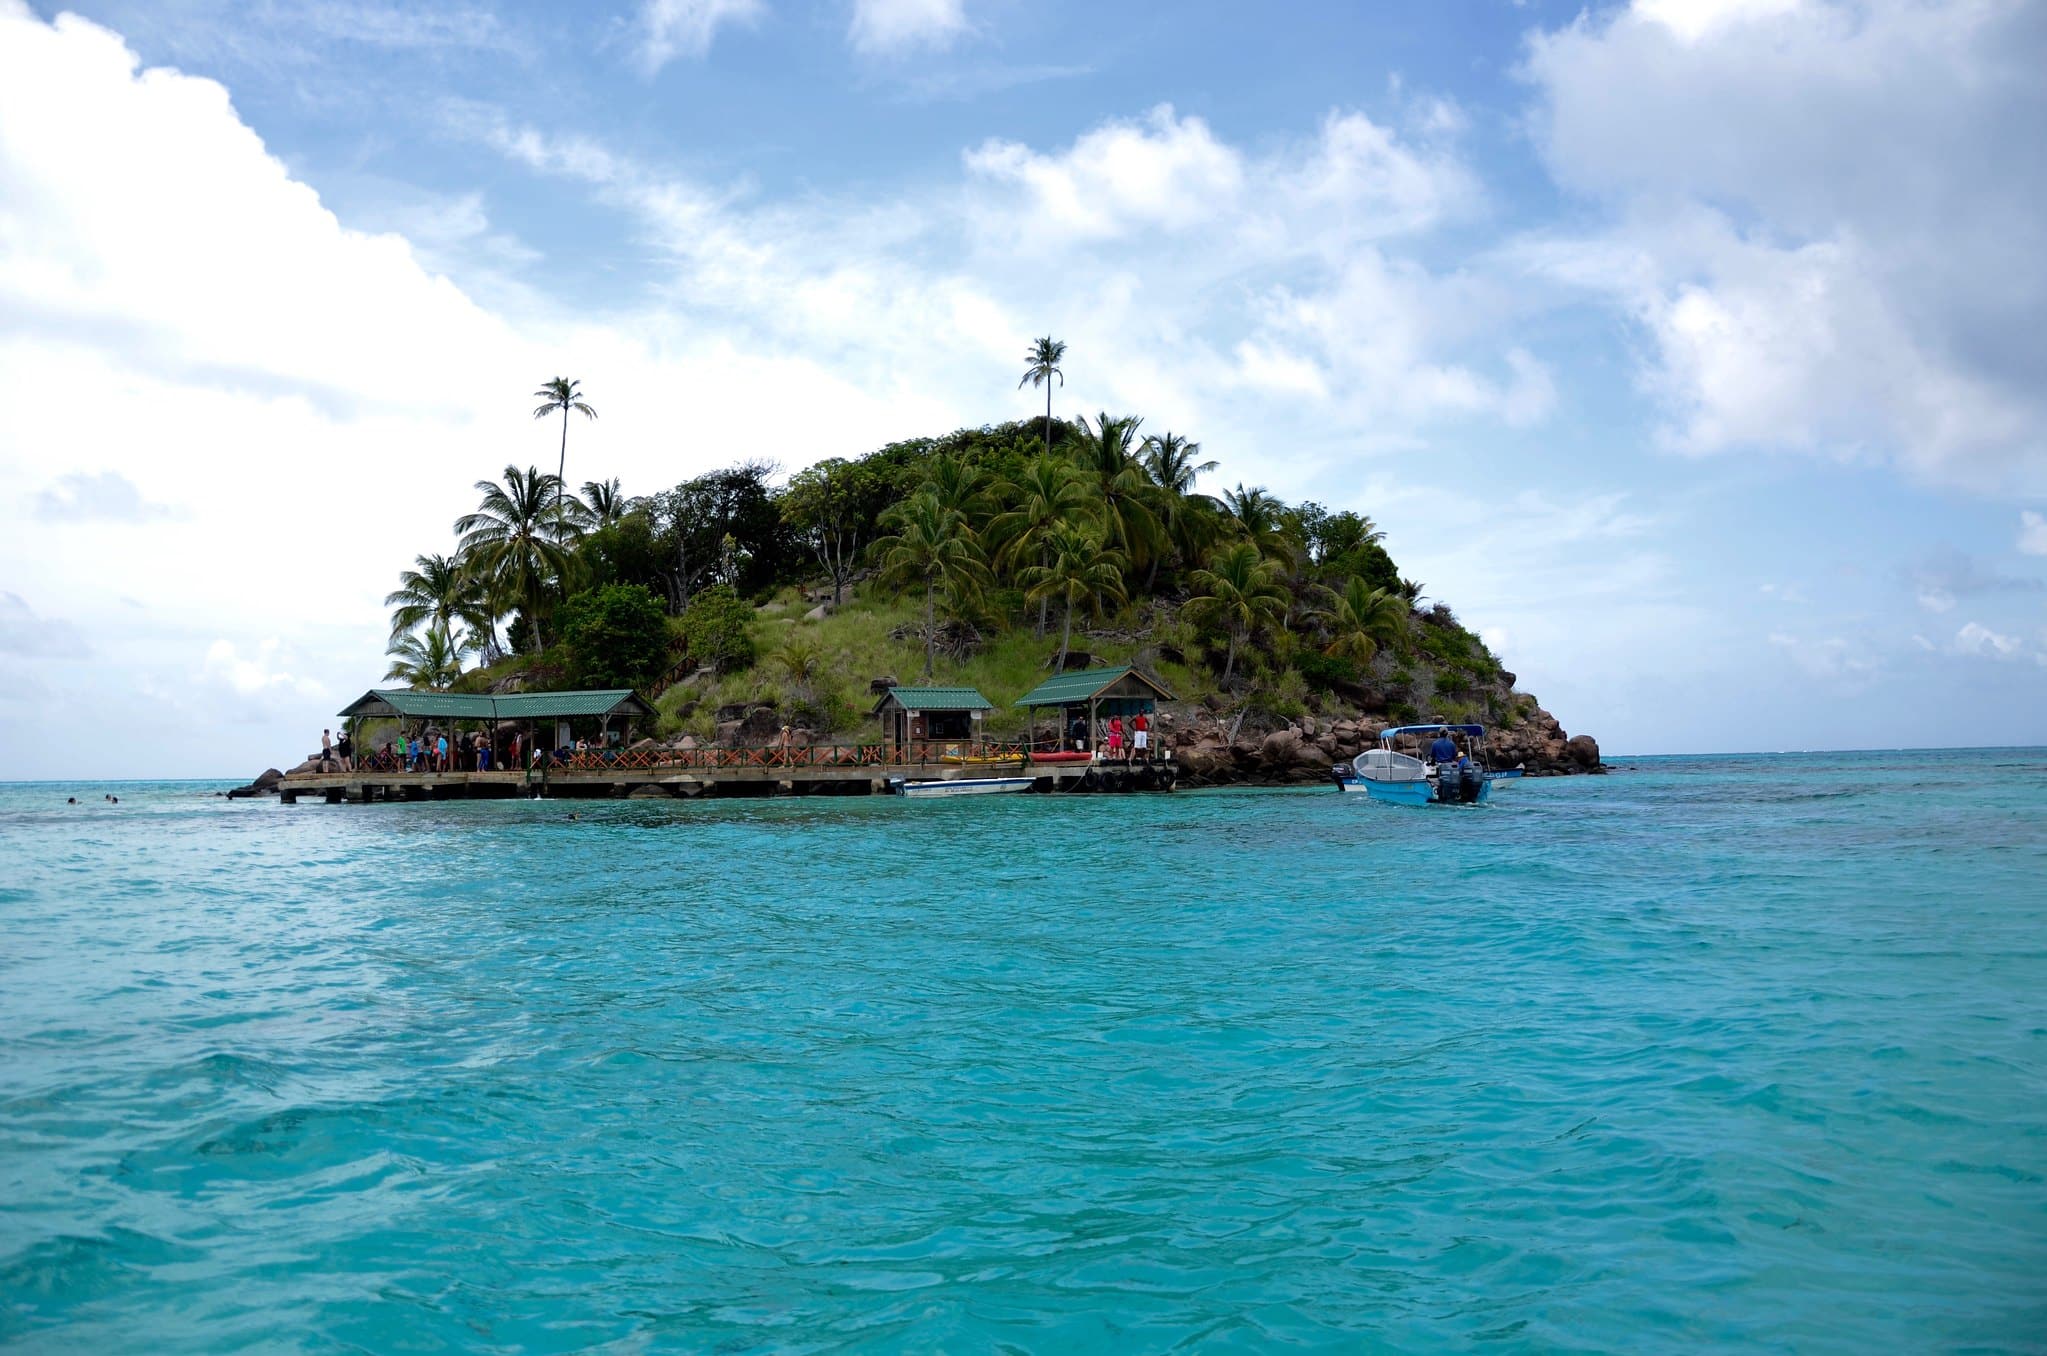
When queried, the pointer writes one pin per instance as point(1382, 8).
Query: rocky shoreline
point(1302, 751)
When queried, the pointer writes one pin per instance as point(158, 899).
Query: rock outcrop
point(1302, 751)
point(264, 785)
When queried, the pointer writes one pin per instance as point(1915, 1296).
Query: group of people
point(1121, 741)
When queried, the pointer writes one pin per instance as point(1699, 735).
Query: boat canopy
point(1475, 731)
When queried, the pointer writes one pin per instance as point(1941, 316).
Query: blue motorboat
point(1451, 768)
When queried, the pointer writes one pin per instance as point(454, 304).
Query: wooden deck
point(713, 774)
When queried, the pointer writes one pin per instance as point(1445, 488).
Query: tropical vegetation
point(991, 555)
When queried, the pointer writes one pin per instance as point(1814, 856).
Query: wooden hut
point(911, 716)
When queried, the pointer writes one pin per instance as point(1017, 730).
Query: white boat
point(963, 786)
point(1386, 774)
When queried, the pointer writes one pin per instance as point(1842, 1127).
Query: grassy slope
point(855, 648)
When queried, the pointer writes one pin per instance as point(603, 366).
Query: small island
point(740, 611)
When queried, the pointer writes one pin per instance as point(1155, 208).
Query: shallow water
point(1708, 1054)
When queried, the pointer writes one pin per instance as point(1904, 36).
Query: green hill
point(742, 602)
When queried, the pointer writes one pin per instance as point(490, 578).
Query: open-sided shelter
point(1095, 694)
point(525, 708)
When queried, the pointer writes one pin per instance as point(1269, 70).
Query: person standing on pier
point(1140, 737)
point(326, 746)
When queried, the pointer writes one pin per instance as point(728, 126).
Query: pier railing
point(721, 758)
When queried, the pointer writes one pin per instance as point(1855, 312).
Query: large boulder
point(818, 613)
point(1583, 751)
point(264, 785)
point(1281, 749)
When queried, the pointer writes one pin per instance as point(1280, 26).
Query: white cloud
point(1165, 173)
point(1945, 576)
point(2032, 533)
point(107, 496)
point(26, 635)
point(672, 28)
point(1823, 220)
point(1979, 640)
point(257, 674)
point(1692, 20)
point(1841, 662)
point(892, 27)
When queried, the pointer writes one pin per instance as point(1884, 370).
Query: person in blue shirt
point(1444, 750)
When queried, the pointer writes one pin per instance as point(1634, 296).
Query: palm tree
point(432, 661)
point(801, 661)
point(1044, 359)
point(438, 592)
point(1078, 569)
point(514, 541)
point(957, 484)
point(562, 394)
point(1411, 589)
point(932, 548)
point(1362, 619)
point(605, 501)
point(1122, 488)
point(1261, 519)
point(1047, 493)
point(1239, 589)
point(1186, 518)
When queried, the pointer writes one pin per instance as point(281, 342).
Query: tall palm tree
point(562, 394)
point(605, 501)
point(1077, 570)
point(1260, 519)
point(432, 661)
point(1363, 619)
point(437, 591)
point(933, 549)
point(957, 485)
point(1186, 518)
point(1045, 494)
point(1122, 488)
point(1043, 364)
point(1238, 590)
point(513, 540)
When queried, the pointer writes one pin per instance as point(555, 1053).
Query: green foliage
point(431, 660)
point(616, 636)
point(1325, 672)
point(1240, 597)
point(717, 629)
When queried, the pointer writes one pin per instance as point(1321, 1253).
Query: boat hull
point(1407, 793)
point(964, 786)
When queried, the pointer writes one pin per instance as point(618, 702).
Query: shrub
point(1324, 672)
point(616, 636)
point(717, 628)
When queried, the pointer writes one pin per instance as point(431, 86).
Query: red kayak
point(1064, 756)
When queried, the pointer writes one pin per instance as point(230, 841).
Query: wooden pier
point(818, 770)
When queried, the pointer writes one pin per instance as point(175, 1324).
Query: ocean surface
point(1726, 1054)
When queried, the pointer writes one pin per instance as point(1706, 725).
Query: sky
point(1691, 350)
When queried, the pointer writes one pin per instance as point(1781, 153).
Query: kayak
point(1062, 756)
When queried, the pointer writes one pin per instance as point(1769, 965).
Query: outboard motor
point(1457, 784)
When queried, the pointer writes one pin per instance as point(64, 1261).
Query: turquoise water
point(1724, 1054)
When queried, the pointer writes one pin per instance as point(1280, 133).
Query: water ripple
point(1714, 1054)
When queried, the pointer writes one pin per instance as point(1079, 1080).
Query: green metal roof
point(935, 699)
point(1067, 689)
point(413, 705)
